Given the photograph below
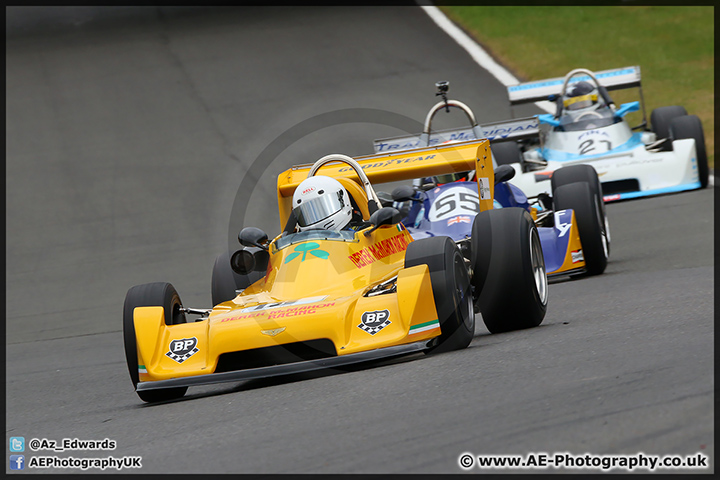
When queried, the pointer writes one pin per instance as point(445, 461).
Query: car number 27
point(452, 202)
point(590, 146)
point(594, 141)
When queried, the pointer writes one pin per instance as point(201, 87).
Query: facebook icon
point(17, 462)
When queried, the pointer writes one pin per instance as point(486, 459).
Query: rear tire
point(451, 290)
point(506, 153)
point(690, 126)
point(660, 120)
point(591, 223)
point(509, 277)
point(225, 281)
point(150, 295)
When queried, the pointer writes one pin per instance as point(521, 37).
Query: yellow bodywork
point(332, 289)
point(316, 288)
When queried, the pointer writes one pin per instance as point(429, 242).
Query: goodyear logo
point(379, 250)
point(395, 161)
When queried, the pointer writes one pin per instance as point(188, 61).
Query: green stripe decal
point(433, 323)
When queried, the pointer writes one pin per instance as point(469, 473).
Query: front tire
point(591, 222)
point(577, 173)
point(509, 276)
point(660, 120)
point(150, 295)
point(451, 290)
point(583, 173)
point(690, 126)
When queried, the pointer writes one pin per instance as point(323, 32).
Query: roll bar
point(425, 136)
point(339, 157)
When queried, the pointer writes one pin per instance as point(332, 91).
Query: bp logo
point(373, 322)
point(181, 350)
point(303, 249)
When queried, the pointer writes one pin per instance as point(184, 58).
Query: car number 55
point(453, 202)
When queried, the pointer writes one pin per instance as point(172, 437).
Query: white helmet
point(321, 203)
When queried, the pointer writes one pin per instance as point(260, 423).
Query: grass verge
point(674, 47)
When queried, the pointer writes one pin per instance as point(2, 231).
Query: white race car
point(588, 129)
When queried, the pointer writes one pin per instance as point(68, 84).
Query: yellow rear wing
point(398, 166)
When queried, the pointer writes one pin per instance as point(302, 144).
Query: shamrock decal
point(304, 248)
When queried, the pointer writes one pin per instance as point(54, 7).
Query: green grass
point(674, 47)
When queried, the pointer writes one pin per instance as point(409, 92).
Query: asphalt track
point(128, 134)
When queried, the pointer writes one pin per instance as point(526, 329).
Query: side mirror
point(503, 173)
point(253, 237)
point(386, 199)
point(403, 193)
point(384, 216)
point(246, 261)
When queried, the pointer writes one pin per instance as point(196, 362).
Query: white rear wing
point(614, 79)
point(496, 132)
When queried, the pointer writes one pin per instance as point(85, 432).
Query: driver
point(582, 98)
point(454, 177)
point(321, 202)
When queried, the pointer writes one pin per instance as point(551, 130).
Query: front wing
point(286, 369)
point(626, 174)
point(237, 342)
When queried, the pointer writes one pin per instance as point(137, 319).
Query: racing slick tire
point(582, 173)
point(225, 281)
point(506, 153)
point(451, 290)
point(690, 126)
point(509, 277)
point(591, 224)
point(577, 173)
point(149, 295)
point(660, 120)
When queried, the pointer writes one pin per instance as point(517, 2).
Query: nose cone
point(312, 268)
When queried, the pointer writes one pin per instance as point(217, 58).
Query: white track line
point(482, 58)
point(477, 53)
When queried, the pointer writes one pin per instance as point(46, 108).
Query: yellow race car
point(316, 296)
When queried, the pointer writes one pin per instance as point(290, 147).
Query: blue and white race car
point(571, 223)
point(587, 128)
